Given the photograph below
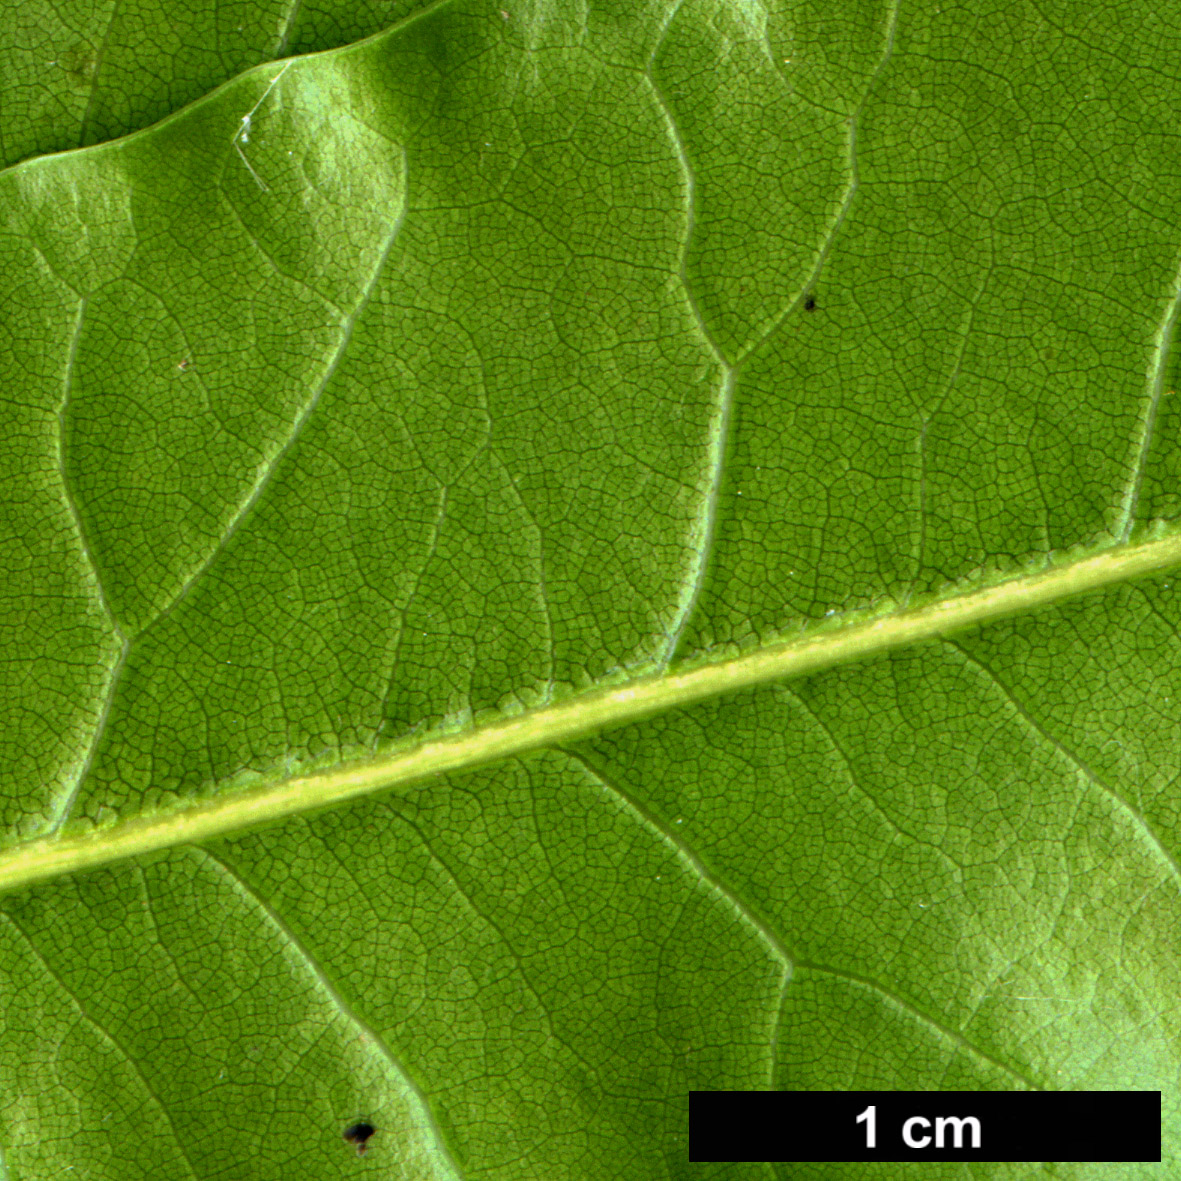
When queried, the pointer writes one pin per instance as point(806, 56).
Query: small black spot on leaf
point(359, 1134)
point(810, 303)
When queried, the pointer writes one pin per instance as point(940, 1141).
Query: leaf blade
point(429, 395)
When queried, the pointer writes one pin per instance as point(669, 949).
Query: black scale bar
point(1032, 1126)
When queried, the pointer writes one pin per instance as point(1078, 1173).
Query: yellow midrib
point(835, 643)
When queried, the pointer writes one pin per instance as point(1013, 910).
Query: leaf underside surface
point(553, 554)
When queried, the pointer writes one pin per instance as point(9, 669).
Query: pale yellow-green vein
point(835, 643)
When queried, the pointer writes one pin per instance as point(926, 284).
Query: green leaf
point(561, 554)
point(91, 70)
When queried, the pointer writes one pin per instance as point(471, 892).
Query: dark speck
point(359, 1134)
point(810, 304)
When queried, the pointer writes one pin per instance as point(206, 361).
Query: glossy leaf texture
point(90, 70)
point(516, 352)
